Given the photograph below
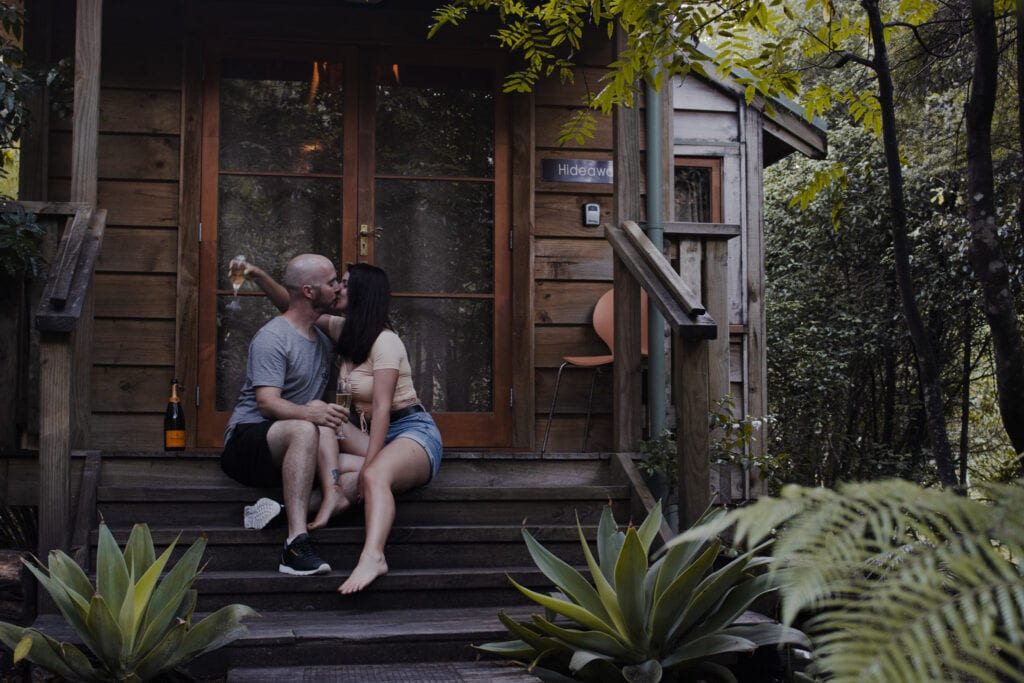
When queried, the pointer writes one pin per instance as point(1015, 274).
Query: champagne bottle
point(174, 422)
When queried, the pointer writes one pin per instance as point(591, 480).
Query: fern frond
point(901, 582)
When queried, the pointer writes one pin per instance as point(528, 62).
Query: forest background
point(894, 267)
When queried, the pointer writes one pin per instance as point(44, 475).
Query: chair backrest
point(604, 320)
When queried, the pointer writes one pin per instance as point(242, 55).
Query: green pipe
point(656, 233)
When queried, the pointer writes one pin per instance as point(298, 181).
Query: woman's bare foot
point(334, 503)
point(369, 568)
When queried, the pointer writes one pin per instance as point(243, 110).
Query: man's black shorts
point(246, 457)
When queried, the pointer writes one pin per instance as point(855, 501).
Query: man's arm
point(271, 405)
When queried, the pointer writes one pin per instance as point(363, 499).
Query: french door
point(397, 158)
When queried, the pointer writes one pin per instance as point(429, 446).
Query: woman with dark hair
point(399, 441)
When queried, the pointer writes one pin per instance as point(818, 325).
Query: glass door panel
point(274, 186)
point(435, 230)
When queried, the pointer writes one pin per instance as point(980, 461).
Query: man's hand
point(326, 414)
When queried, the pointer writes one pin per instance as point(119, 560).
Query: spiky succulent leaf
point(139, 553)
point(143, 590)
point(44, 651)
point(67, 571)
point(708, 595)
point(604, 589)
point(111, 571)
point(571, 610)
point(166, 600)
point(630, 570)
point(769, 634)
point(595, 641)
point(707, 646)
point(570, 581)
point(672, 602)
point(609, 542)
point(107, 633)
point(217, 629)
point(738, 601)
point(648, 531)
point(646, 672)
point(513, 649)
point(539, 642)
point(69, 603)
point(581, 659)
point(165, 655)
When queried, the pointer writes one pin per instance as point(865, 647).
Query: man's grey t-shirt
point(281, 357)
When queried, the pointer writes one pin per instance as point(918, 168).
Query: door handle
point(364, 237)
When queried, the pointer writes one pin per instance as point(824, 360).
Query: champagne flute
point(343, 397)
point(237, 277)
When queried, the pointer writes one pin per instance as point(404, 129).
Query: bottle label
point(174, 438)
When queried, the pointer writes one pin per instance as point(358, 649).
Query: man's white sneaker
point(261, 513)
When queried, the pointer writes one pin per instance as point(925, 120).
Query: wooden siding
point(143, 302)
point(133, 349)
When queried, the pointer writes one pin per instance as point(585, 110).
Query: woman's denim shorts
point(419, 427)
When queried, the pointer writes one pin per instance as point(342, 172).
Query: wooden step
point(430, 505)
point(265, 588)
point(416, 672)
point(347, 637)
point(426, 547)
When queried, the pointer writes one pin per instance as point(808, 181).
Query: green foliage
point(732, 438)
point(897, 582)
point(661, 40)
point(659, 457)
point(18, 525)
point(634, 620)
point(135, 626)
point(20, 243)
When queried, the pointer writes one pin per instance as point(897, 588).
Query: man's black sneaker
point(299, 559)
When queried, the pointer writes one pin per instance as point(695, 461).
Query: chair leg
point(551, 413)
point(590, 403)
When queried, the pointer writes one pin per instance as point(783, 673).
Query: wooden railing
point(62, 313)
point(700, 345)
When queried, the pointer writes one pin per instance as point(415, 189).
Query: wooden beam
point(627, 402)
point(703, 230)
point(690, 386)
point(659, 266)
point(698, 327)
point(67, 318)
point(523, 289)
point(55, 392)
point(86, 115)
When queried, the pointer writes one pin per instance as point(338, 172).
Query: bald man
point(280, 428)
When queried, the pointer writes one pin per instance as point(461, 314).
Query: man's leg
point(294, 444)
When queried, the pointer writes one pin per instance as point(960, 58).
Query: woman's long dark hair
point(366, 315)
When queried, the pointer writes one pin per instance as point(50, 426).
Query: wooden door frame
point(196, 353)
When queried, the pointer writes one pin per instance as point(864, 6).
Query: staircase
point(454, 544)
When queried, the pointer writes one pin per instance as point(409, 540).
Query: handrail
point(682, 309)
point(59, 313)
point(67, 284)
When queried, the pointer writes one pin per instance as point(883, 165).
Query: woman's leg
point(401, 465)
point(338, 474)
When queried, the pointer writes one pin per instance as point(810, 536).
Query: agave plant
point(895, 582)
point(135, 625)
point(636, 621)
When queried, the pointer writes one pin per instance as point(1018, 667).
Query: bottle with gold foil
point(174, 422)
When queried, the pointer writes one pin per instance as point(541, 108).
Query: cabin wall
point(562, 267)
point(133, 352)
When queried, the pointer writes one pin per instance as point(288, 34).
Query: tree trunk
point(927, 361)
point(986, 254)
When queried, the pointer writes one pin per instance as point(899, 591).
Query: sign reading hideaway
point(576, 170)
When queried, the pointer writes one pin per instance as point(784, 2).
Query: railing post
point(627, 401)
point(55, 378)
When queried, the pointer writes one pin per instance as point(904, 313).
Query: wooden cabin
point(270, 128)
point(203, 129)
